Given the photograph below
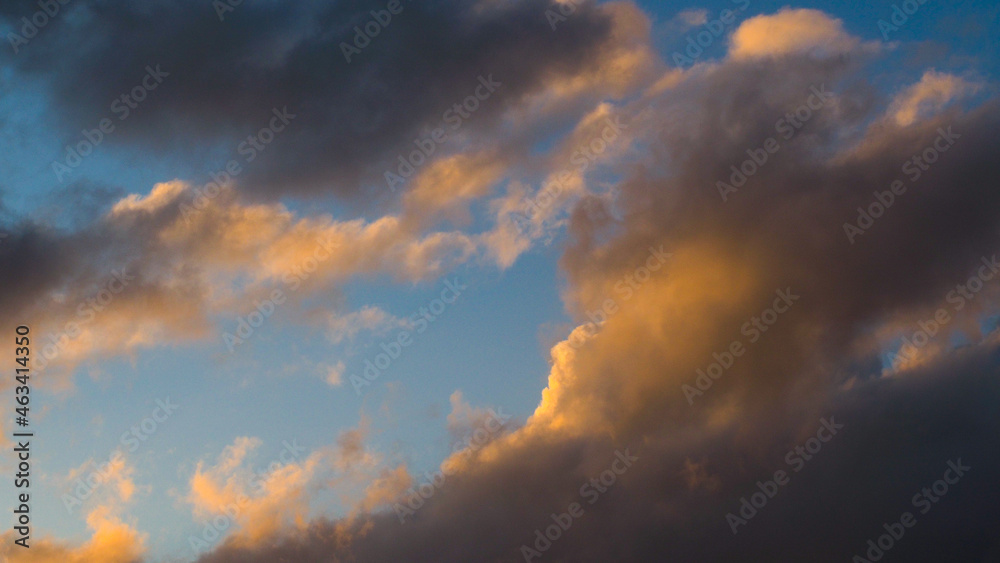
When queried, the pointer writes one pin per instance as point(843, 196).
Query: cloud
point(368, 318)
point(692, 17)
point(927, 97)
point(112, 539)
point(352, 118)
point(525, 215)
point(464, 418)
point(619, 386)
point(260, 504)
point(202, 256)
point(788, 32)
point(156, 269)
point(334, 375)
point(448, 184)
point(387, 488)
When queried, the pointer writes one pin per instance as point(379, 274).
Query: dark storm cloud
point(33, 260)
point(39, 260)
point(352, 119)
point(863, 478)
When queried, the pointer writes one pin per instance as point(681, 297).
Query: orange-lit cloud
point(790, 32)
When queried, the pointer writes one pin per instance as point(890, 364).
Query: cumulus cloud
point(789, 32)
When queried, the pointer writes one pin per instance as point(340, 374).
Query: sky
point(484, 280)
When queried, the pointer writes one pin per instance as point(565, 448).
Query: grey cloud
point(353, 119)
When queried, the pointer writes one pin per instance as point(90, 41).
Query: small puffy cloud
point(334, 375)
point(464, 417)
point(514, 230)
point(368, 318)
point(692, 17)
point(162, 194)
point(927, 97)
point(791, 31)
point(114, 477)
point(448, 184)
point(259, 502)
